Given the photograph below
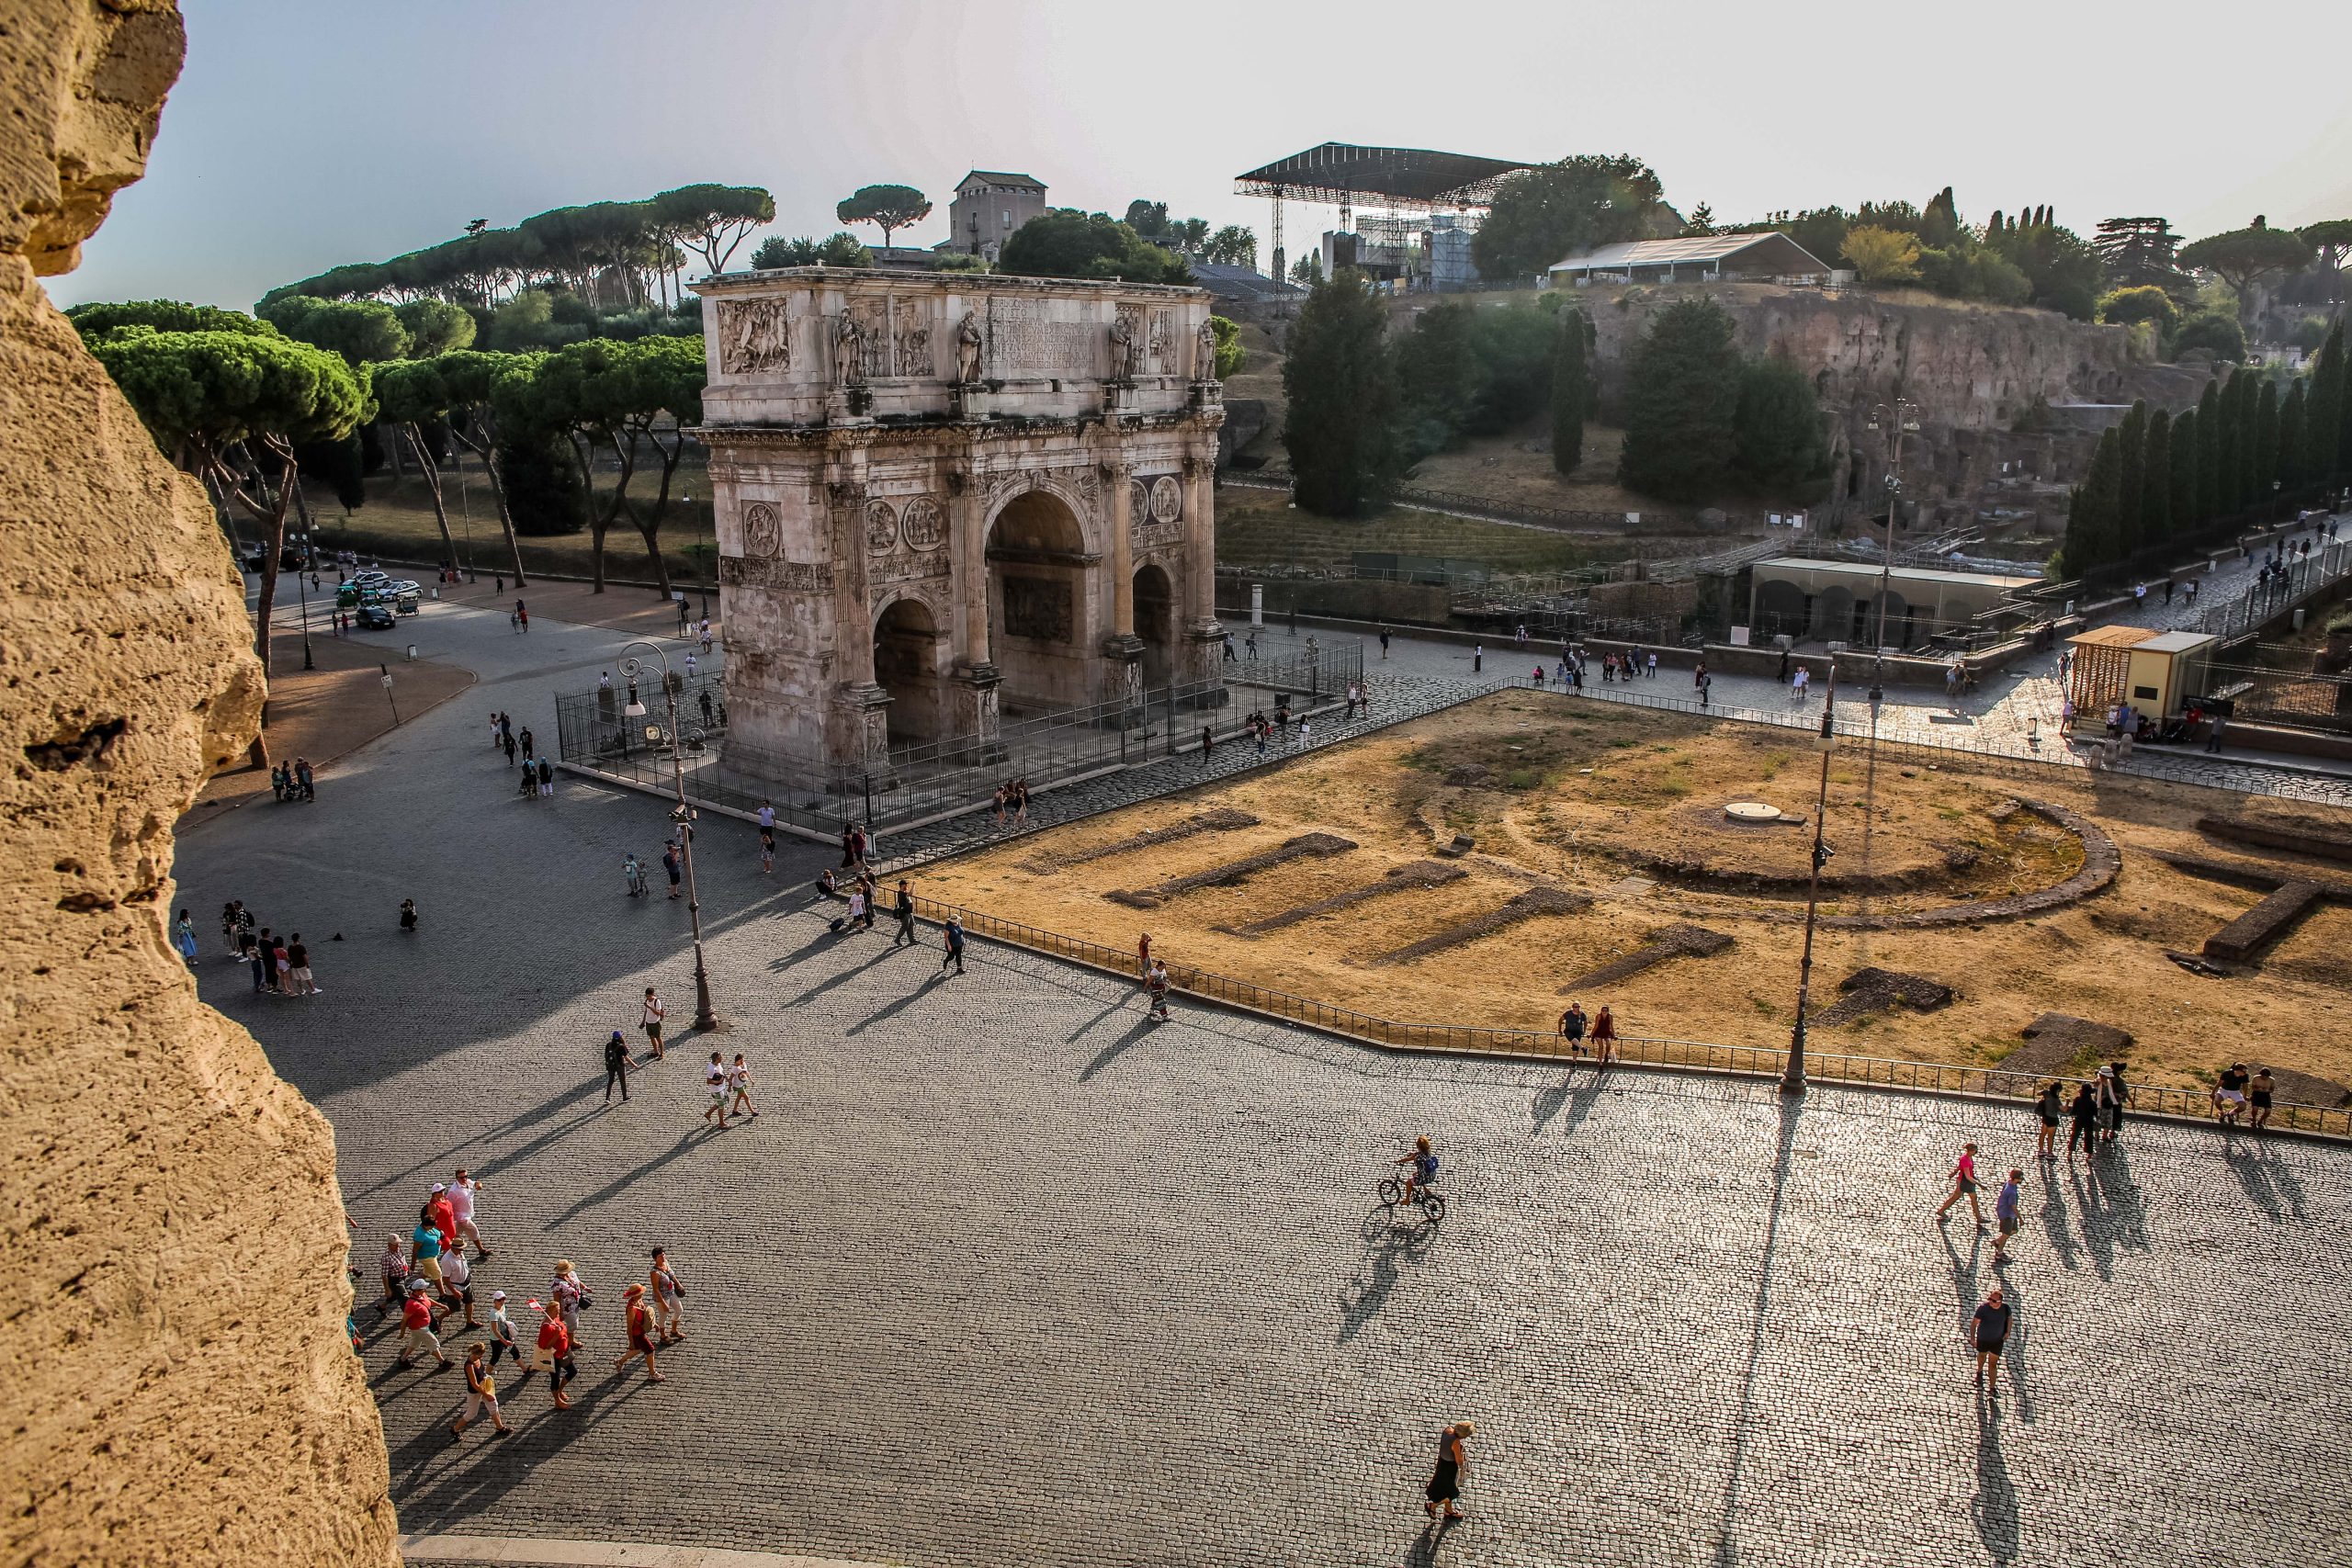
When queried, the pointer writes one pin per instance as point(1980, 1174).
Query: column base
point(977, 713)
point(858, 735)
point(968, 400)
point(1205, 661)
point(1124, 682)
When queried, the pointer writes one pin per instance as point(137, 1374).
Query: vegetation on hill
point(1066, 243)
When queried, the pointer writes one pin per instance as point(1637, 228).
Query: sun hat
point(498, 1295)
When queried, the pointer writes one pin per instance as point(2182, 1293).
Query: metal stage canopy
point(1337, 174)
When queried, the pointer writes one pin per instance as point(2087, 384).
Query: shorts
point(1991, 1346)
point(718, 1092)
point(1968, 1184)
point(428, 1266)
point(2010, 1224)
point(478, 1403)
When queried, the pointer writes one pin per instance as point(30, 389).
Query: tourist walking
point(416, 1327)
point(739, 1088)
point(1155, 984)
point(1988, 1330)
point(501, 1333)
point(905, 909)
point(2114, 1095)
point(1208, 745)
point(1572, 1028)
point(639, 1324)
point(767, 851)
point(633, 876)
point(856, 916)
point(464, 1192)
point(424, 1249)
point(1445, 1483)
point(297, 967)
point(617, 1063)
point(457, 1284)
point(669, 1299)
point(952, 936)
point(1604, 1035)
point(2084, 1112)
point(569, 1292)
point(714, 1083)
point(671, 865)
point(2004, 1214)
point(393, 1269)
point(552, 1355)
point(546, 777)
point(183, 938)
point(481, 1394)
point(1383, 642)
point(1963, 1185)
point(1478, 657)
point(2050, 1109)
point(510, 750)
point(650, 1022)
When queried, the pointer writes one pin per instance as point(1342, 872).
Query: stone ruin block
point(1317, 846)
point(1867, 991)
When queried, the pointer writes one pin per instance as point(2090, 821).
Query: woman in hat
point(640, 1333)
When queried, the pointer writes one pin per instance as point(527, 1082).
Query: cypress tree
point(2264, 452)
point(2225, 489)
point(2131, 437)
point(1341, 429)
point(2209, 454)
point(1571, 386)
point(2090, 521)
point(2323, 411)
point(2155, 482)
point(2291, 416)
point(2183, 515)
point(1681, 404)
point(2243, 383)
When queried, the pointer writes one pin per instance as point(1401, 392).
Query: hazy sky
point(305, 133)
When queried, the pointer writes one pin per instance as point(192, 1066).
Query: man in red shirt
point(416, 1327)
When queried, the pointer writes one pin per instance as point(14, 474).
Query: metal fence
point(916, 781)
point(1746, 1061)
point(2299, 580)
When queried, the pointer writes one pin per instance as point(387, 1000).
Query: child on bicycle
point(1422, 1167)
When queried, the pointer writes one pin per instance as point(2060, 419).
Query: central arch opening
point(1155, 623)
point(1038, 608)
point(910, 664)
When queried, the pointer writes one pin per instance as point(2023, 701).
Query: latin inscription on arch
point(1023, 340)
point(767, 571)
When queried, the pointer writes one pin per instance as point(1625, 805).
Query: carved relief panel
point(1161, 350)
point(881, 527)
point(754, 337)
point(909, 339)
point(763, 530)
point(1157, 506)
point(922, 524)
point(872, 319)
point(791, 576)
point(1038, 607)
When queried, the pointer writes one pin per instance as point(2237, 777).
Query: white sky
point(305, 133)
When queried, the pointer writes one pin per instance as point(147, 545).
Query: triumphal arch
point(948, 498)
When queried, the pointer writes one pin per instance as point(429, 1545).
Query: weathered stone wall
point(1974, 370)
point(165, 1399)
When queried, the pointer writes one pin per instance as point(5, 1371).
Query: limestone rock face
point(163, 1398)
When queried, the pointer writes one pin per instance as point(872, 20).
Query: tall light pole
point(465, 499)
point(1895, 421)
point(682, 814)
point(1792, 1076)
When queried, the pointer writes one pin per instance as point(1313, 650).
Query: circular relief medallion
point(1167, 499)
point(923, 525)
point(881, 526)
point(761, 532)
point(1138, 503)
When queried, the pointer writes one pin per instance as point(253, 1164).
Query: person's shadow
point(1994, 1510)
point(1423, 1552)
point(1390, 1237)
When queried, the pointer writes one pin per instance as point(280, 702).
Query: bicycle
point(1425, 1197)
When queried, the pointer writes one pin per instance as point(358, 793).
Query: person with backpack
point(952, 937)
point(617, 1063)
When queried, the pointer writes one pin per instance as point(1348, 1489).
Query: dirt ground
point(1626, 806)
point(319, 714)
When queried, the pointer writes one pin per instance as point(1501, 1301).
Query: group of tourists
point(428, 1282)
point(2239, 1095)
point(1600, 1030)
point(1011, 799)
point(280, 965)
point(293, 781)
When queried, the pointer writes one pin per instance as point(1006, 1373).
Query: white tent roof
point(1775, 251)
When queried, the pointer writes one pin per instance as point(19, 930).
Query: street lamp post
point(701, 553)
point(1903, 416)
point(302, 596)
point(465, 501)
point(682, 814)
point(1792, 1077)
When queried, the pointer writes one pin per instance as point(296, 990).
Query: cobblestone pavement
point(1007, 1275)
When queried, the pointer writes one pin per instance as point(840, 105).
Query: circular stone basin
point(1752, 811)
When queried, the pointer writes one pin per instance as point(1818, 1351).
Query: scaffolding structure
point(1408, 179)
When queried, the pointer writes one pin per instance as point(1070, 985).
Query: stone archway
point(1040, 602)
point(1155, 623)
point(1833, 614)
point(910, 664)
point(1780, 610)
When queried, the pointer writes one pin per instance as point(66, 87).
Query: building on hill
point(1762, 257)
point(988, 207)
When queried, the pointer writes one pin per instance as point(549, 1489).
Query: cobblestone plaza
point(1006, 1274)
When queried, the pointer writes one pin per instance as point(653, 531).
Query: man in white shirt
point(652, 1021)
point(463, 1190)
point(767, 814)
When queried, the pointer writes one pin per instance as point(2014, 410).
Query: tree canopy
point(1883, 255)
point(884, 206)
point(1341, 429)
point(434, 326)
point(1545, 214)
point(364, 332)
point(1231, 246)
point(2140, 253)
point(843, 249)
point(1779, 444)
point(1066, 243)
point(2242, 257)
point(1681, 404)
point(98, 318)
point(712, 220)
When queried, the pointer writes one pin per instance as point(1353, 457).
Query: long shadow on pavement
point(1726, 1536)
